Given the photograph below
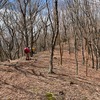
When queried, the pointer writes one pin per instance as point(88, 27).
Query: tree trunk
point(76, 59)
point(51, 61)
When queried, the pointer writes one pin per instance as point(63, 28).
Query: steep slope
point(29, 80)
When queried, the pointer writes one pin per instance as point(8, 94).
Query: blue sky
point(60, 1)
point(11, 0)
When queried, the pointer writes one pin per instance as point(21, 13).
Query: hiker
point(27, 51)
point(33, 51)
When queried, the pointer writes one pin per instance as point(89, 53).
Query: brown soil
point(29, 80)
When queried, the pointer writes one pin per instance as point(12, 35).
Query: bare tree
point(35, 7)
point(45, 33)
point(55, 31)
point(3, 3)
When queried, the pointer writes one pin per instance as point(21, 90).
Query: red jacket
point(26, 50)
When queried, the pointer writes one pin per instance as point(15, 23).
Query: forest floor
point(29, 80)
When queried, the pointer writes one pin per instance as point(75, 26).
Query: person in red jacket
point(27, 51)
